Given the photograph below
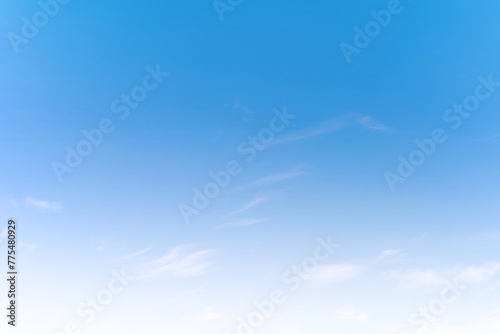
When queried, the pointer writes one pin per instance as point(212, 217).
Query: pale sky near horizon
point(304, 138)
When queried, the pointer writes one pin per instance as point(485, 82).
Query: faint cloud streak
point(337, 123)
point(178, 263)
point(240, 223)
point(271, 179)
point(45, 205)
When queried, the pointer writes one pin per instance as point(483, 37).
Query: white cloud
point(240, 223)
point(471, 275)
point(327, 126)
point(479, 275)
point(415, 278)
point(333, 273)
point(45, 205)
point(270, 179)
point(28, 245)
point(390, 255)
point(178, 263)
point(419, 238)
point(349, 312)
point(359, 119)
point(370, 123)
point(257, 200)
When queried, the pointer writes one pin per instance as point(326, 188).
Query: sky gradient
point(178, 95)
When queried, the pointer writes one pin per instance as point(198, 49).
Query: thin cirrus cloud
point(479, 274)
point(257, 200)
point(274, 178)
point(390, 255)
point(240, 223)
point(44, 205)
point(26, 245)
point(471, 275)
point(370, 123)
point(415, 278)
point(178, 263)
point(261, 197)
point(206, 314)
point(136, 254)
point(349, 312)
point(337, 123)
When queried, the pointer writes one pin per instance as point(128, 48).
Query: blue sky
point(323, 174)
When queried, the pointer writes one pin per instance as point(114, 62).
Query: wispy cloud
point(415, 278)
point(45, 205)
point(257, 200)
point(178, 263)
point(206, 314)
point(479, 274)
point(334, 273)
point(337, 123)
point(370, 123)
point(274, 178)
point(419, 238)
point(328, 126)
point(390, 255)
point(470, 275)
point(26, 245)
point(349, 312)
point(241, 223)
